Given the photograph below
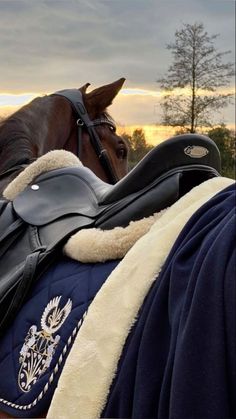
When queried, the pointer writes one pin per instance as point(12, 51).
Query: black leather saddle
point(164, 175)
point(37, 223)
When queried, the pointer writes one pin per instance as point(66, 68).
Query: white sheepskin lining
point(91, 365)
point(95, 245)
point(55, 159)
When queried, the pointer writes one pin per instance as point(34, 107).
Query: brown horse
point(51, 122)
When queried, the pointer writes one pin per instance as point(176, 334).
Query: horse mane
point(17, 130)
point(14, 129)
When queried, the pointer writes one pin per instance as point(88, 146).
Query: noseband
point(74, 96)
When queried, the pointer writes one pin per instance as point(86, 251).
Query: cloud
point(133, 106)
point(55, 44)
point(50, 44)
point(7, 99)
point(144, 108)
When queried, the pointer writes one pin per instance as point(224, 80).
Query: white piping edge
point(52, 375)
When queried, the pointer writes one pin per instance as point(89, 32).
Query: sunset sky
point(56, 44)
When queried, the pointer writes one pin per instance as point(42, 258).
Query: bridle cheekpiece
point(75, 97)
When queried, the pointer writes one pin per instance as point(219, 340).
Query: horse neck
point(22, 133)
point(35, 129)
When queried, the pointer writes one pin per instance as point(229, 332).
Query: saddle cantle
point(40, 219)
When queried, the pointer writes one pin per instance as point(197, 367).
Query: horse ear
point(84, 88)
point(99, 99)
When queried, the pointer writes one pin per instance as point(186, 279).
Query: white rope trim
point(53, 374)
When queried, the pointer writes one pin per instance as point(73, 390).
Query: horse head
point(91, 132)
point(51, 122)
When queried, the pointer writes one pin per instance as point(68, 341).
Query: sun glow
point(11, 100)
point(154, 133)
point(133, 108)
point(141, 92)
point(185, 91)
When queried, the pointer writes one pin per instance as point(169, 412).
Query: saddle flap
point(56, 194)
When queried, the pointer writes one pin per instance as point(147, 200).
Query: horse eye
point(122, 153)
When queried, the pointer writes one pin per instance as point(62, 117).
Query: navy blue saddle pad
point(35, 347)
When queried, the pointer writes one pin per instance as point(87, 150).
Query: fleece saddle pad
point(179, 360)
point(35, 347)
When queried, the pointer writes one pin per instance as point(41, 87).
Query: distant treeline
point(223, 137)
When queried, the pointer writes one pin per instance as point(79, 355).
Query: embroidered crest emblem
point(39, 346)
point(196, 151)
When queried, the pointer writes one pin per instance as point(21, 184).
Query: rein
point(12, 170)
point(74, 96)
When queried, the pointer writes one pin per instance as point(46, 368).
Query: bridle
point(75, 97)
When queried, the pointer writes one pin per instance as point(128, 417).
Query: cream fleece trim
point(55, 159)
point(95, 245)
point(92, 362)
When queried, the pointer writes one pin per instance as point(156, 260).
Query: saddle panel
point(139, 205)
point(7, 216)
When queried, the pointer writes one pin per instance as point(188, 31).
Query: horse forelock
point(106, 115)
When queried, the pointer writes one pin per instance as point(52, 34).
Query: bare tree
point(193, 81)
